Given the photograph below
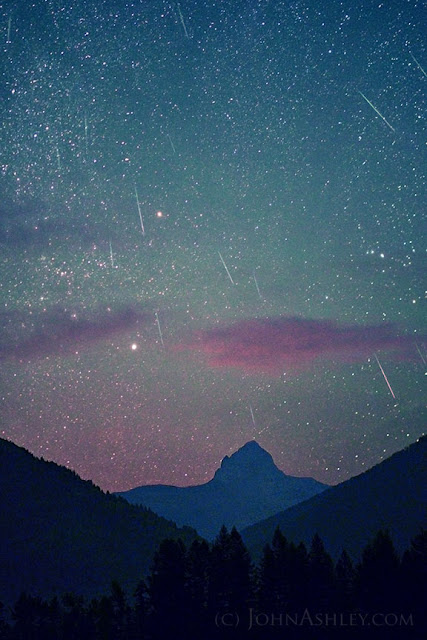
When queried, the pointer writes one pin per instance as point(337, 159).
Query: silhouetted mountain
point(59, 533)
point(392, 495)
point(245, 489)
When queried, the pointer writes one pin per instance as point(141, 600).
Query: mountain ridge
point(246, 487)
point(391, 495)
point(59, 533)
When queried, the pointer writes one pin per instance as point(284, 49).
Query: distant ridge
point(59, 533)
point(391, 495)
point(245, 489)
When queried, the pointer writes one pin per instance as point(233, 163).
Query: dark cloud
point(31, 224)
point(282, 343)
point(60, 332)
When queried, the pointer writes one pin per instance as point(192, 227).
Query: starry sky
point(211, 230)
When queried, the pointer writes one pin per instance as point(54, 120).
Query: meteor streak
point(139, 211)
point(385, 377)
point(252, 415)
point(181, 17)
point(225, 267)
point(256, 284)
point(58, 159)
point(86, 135)
point(172, 144)
point(418, 64)
point(159, 328)
point(376, 111)
point(421, 355)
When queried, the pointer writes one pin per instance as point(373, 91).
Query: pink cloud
point(59, 333)
point(286, 342)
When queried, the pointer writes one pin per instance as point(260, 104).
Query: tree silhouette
point(121, 612)
point(230, 581)
point(321, 578)
point(101, 611)
point(378, 574)
point(186, 589)
point(414, 579)
point(274, 579)
point(141, 610)
point(4, 627)
point(32, 619)
point(166, 586)
point(297, 571)
point(76, 620)
point(197, 587)
point(345, 578)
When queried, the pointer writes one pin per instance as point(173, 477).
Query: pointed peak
point(249, 459)
point(251, 445)
point(250, 451)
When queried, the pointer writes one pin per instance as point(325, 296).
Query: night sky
point(211, 230)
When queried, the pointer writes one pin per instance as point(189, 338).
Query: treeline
point(212, 591)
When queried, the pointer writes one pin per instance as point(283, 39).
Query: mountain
point(392, 495)
point(59, 533)
point(245, 489)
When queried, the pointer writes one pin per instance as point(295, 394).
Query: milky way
point(211, 230)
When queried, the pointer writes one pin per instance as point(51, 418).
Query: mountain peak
point(245, 489)
point(245, 462)
point(251, 450)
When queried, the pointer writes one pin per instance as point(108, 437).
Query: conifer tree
point(4, 627)
point(378, 574)
point(320, 586)
point(29, 615)
point(267, 579)
point(120, 611)
point(297, 572)
point(274, 574)
point(197, 583)
point(141, 610)
point(76, 620)
point(345, 577)
point(102, 611)
point(414, 579)
point(166, 585)
point(230, 584)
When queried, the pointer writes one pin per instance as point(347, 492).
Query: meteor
point(139, 211)
point(58, 159)
point(420, 354)
point(86, 135)
point(376, 111)
point(252, 415)
point(181, 17)
point(256, 284)
point(159, 328)
point(385, 377)
point(418, 64)
point(172, 144)
point(225, 267)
